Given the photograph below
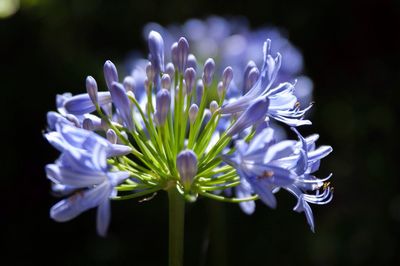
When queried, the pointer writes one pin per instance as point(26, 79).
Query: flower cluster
point(175, 127)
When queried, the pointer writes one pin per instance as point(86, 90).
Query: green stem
point(176, 227)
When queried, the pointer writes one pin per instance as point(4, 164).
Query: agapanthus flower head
point(166, 127)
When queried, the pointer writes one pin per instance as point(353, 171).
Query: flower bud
point(174, 54)
point(199, 91)
point(129, 84)
point(183, 51)
point(213, 106)
point(110, 73)
point(251, 79)
point(122, 104)
point(166, 82)
point(220, 89)
point(208, 72)
point(191, 62)
point(91, 88)
point(227, 77)
point(190, 76)
point(170, 70)
point(150, 71)
point(111, 136)
point(193, 111)
point(186, 162)
point(163, 102)
point(87, 124)
point(156, 47)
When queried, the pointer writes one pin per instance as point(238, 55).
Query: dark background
point(351, 52)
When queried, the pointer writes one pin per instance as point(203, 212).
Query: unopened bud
point(129, 84)
point(110, 73)
point(208, 72)
point(112, 136)
point(193, 111)
point(220, 89)
point(190, 77)
point(91, 88)
point(213, 106)
point(199, 91)
point(166, 81)
point(87, 124)
point(174, 54)
point(183, 51)
point(150, 71)
point(227, 77)
point(191, 62)
point(170, 70)
point(156, 47)
point(186, 162)
point(163, 102)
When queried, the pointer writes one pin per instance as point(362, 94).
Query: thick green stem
point(176, 227)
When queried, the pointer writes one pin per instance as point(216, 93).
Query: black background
point(351, 52)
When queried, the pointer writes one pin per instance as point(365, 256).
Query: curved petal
point(82, 104)
point(71, 207)
point(103, 217)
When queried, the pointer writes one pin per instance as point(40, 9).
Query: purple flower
point(266, 166)
point(88, 174)
point(283, 102)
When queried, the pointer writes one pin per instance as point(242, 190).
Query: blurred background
point(351, 51)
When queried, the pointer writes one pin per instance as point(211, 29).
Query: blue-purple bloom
point(82, 169)
point(267, 166)
point(170, 125)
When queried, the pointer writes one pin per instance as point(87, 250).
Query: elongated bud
point(91, 88)
point(91, 123)
point(220, 89)
point(252, 78)
point(206, 118)
point(87, 124)
point(170, 70)
point(254, 114)
point(156, 47)
point(193, 111)
point(122, 104)
point(174, 54)
point(250, 65)
point(111, 136)
point(199, 91)
point(110, 73)
point(129, 84)
point(166, 82)
point(227, 77)
point(146, 85)
point(208, 72)
point(183, 51)
point(186, 162)
point(190, 78)
point(163, 102)
point(191, 62)
point(213, 106)
point(150, 71)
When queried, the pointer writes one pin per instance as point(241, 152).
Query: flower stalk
point(176, 215)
